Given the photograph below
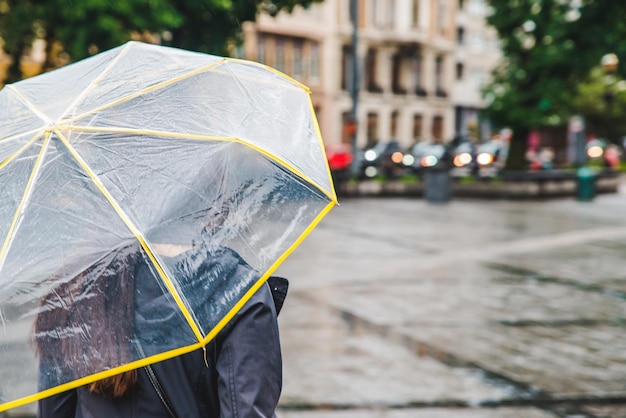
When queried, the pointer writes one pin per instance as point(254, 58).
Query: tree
point(549, 47)
point(209, 26)
point(77, 30)
point(601, 99)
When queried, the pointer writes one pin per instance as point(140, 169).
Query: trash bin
point(586, 184)
point(437, 185)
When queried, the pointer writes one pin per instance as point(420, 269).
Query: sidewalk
point(400, 308)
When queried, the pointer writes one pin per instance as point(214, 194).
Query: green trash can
point(586, 184)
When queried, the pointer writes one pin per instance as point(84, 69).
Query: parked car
point(340, 159)
point(423, 155)
point(384, 158)
point(464, 158)
point(491, 157)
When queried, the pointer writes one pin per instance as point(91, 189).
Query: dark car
point(383, 159)
point(424, 155)
point(491, 157)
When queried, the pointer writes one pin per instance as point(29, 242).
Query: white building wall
point(385, 25)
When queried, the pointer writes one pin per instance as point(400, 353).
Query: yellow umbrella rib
point(211, 67)
point(227, 318)
point(21, 150)
point(96, 80)
point(30, 105)
point(331, 195)
point(135, 231)
point(143, 132)
point(22, 134)
point(17, 217)
point(143, 91)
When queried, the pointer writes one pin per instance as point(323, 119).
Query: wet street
point(403, 308)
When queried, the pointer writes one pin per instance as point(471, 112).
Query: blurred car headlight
point(462, 159)
point(371, 171)
point(370, 155)
point(396, 157)
point(429, 161)
point(484, 158)
point(595, 151)
point(408, 160)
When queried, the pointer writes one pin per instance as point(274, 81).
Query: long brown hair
point(88, 321)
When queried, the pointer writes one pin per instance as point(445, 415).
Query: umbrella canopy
point(205, 172)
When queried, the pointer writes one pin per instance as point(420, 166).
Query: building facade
point(408, 57)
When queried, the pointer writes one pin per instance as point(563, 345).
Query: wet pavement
point(403, 308)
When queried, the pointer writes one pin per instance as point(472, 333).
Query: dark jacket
point(243, 378)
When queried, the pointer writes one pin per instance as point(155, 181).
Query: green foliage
point(549, 48)
point(601, 98)
point(87, 26)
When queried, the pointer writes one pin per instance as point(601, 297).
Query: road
point(403, 308)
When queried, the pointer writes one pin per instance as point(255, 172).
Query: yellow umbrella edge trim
point(137, 234)
point(146, 132)
point(98, 376)
point(323, 147)
point(226, 319)
point(179, 351)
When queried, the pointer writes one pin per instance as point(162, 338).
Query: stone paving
point(404, 308)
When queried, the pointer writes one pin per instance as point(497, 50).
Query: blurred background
point(474, 267)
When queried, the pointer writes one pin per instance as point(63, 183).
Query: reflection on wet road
point(401, 308)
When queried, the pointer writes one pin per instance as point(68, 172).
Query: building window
point(460, 69)
point(418, 73)
point(346, 134)
point(346, 68)
point(395, 116)
point(417, 127)
point(280, 55)
point(391, 14)
point(314, 63)
point(260, 49)
point(439, 90)
point(370, 12)
point(441, 17)
point(437, 129)
point(396, 74)
point(372, 128)
point(370, 72)
point(460, 35)
point(296, 56)
point(415, 13)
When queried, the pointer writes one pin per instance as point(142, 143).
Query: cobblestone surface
point(401, 308)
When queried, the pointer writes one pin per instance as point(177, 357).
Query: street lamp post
point(355, 85)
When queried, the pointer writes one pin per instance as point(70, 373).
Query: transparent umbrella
point(175, 156)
